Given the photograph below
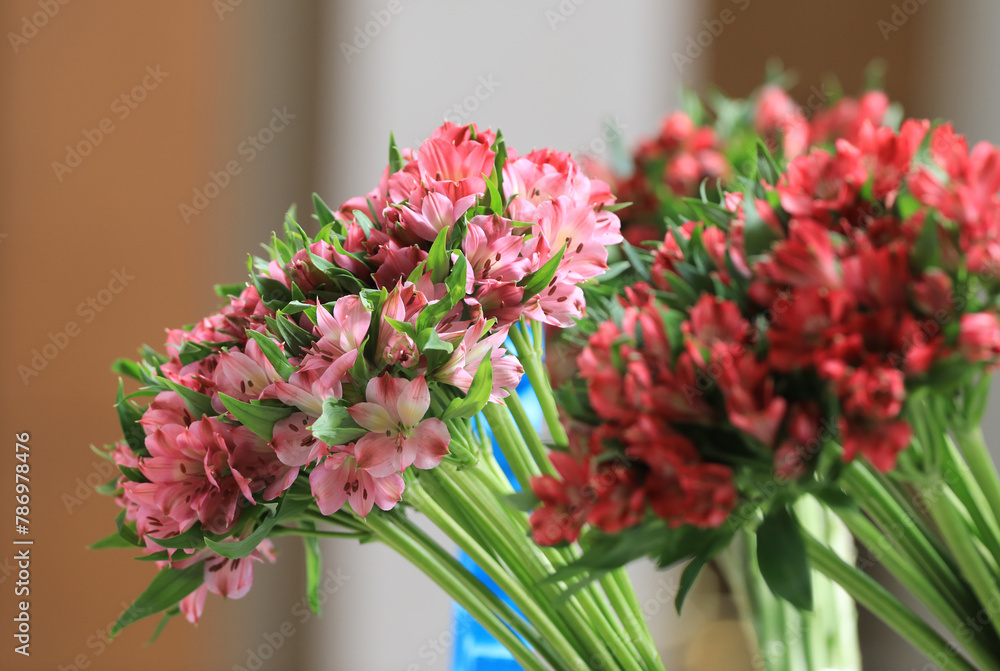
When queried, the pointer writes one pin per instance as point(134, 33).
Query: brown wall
point(66, 237)
point(816, 39)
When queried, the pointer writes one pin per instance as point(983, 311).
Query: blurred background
point(147, 147)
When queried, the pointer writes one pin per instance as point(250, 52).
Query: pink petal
point(426, 445)
point(413, 401)
point(373, 417)
point(388, 490)
point(384, 390)
point(327, 483)
point(377, 454)
point(363, 497)
point(229, 578)
point(291, 394)
point(193, 604)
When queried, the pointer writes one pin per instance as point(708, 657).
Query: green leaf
point(717, 543)
point(132, 474)
point(688, 578)
point(191, 351)
point(496, 202)
point(907, 205)
point(405, 328)
point(633, 257)
point(127, 368)
point(128, 416)
point(523, 501)
point(193, 538)
point(229, 290)
point(126, 531)
point(166, 590)
point(538, 280)
point(335, 426)
point(434, 312)
point(323, 213)
point(927, 249)
point(288, 509)
point(114, 540)
point(781, 555)
point(258, 418)
point(152, 357)
point(362, 220)
point(711, 213)
point(245, 547)
point(757, 235)
point(500, 159)
point(438, 259)
point(395, 158)
point(273, 293)
point(478, 396)
point(199, 404)
point(314, 569)
point(295, 337)
point(615, 207)
point(767, 168)
point(435, 350)
point(273, 353)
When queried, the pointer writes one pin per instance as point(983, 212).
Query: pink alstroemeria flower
point(309, 386)
point(229, 578)
point(294, 443)
point(242, 375)
point(365, 476)
point(471, 348)
point(340, 332)
point(394, 415)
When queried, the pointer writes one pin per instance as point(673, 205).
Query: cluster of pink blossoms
point(321, 373)
point(807, 318)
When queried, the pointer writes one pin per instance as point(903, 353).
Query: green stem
point(319, 533)
point(531, 358)
point(568, 655)
point(516, 546)
point(460, 586)
point(973, 446)
point(621, 593)
point(511, 444)
point(530, 435)
point(886, 607)
point(896, 524)
point(913, 580)
point(954, 530)
point(967, 488)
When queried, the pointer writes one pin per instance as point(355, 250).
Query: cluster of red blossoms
point(858, 275)
point(325, 365)
point(686, 154)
